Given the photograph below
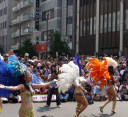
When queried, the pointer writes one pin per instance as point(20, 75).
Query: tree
point(28, 48)
point(57, 45)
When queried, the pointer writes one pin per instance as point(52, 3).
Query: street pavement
point(68, 110)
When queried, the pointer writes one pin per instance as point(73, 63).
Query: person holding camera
point(124, 91)
point(53, 88)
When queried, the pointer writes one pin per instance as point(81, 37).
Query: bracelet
point(52, 82)
point(6, 87)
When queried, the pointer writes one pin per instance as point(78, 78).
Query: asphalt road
point(67, 110)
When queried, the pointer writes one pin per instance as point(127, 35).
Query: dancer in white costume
point(70, 76)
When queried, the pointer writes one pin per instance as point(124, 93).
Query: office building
point(103, 27)
point(5, 21)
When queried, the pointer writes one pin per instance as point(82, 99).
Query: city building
point(50, 20)
point(68, 25)
point(24, 22)
point(103, 27)
point(5, 21)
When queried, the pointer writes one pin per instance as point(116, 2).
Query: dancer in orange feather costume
point(103, 71)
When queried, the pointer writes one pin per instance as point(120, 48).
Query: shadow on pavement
point(102, 115)
point(44, 109)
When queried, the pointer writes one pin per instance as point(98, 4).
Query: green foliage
point(57, 45)
point(28, 48)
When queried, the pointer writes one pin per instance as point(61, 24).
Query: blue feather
point(77, 62)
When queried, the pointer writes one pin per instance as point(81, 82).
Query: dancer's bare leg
point(82, 104)
point(0, 104)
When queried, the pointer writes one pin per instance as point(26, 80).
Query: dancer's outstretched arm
point(14, 88)
point(36, 86)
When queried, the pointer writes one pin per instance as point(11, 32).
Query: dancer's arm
point(114, 80)
point(14, 88)
point(36, 86)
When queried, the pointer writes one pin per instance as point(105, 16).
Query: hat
point(6, 55)
point(26, 54)
point(39, 64)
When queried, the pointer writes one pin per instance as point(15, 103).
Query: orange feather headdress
point(99, 69)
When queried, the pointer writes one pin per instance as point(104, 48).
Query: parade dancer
point(103, 71)
point(70, 75)
point(26, 92)
point(110, 89)
point(16, 77)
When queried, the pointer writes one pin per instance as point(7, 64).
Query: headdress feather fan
point(69, 76)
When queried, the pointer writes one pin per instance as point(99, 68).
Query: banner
point(39, 98)
point(37, 15)
point(40, 47)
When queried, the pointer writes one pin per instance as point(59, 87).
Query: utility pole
point(97, 27)
point(20, 26)
point(47, 33)
point(77, 28)
point(121, 27)
point(74, 27)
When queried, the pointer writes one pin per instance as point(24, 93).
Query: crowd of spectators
point(45, 70)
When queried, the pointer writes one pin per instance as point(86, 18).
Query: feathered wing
point(78, 79)
point(110, 62)
point(98, 70)
point(6, 78)
point(69, 73)
point(1, 58)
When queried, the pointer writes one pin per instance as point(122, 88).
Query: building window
point(118, 20)
point(126, 19)
point(70, 2)
point(94, 25)
point(44, 0)
point(109, 22)
point(91, 26)
point(69, 20)
point(101, 24)
point(44, 35)
point(49, 14)
point(113, 21)
point(84, 27)
point(5, 10)
point(5, 24)
point(81, 27)
point(105, 23)
point(37, 40)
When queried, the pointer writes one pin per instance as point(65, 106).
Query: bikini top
point(28, 93)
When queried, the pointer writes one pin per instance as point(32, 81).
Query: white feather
point(69, 76)
point(1, 58)
point(111, 62)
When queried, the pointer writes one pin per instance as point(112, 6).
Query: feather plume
point(69, 76)
point(111, 62)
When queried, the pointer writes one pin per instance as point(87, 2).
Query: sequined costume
point(24, 112)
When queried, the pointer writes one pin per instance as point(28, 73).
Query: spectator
point(124, 91)
point(53, 88)
point(64, 97)
point(26, 58)
point(6, 58)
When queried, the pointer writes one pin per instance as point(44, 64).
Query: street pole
point(74, 28)
point(97, 27)
point(20, 26)
point(77, 27)
point(47, 34)
point(121, 27)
